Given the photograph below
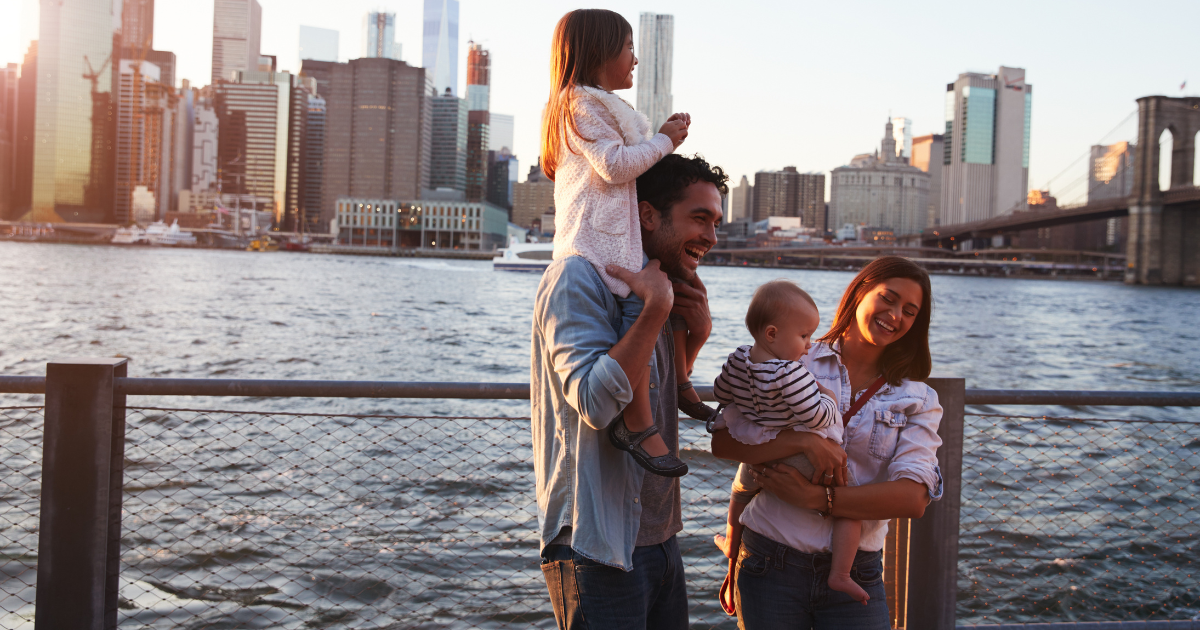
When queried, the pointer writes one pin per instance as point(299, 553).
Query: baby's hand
point(828, 392)
point(676, 130)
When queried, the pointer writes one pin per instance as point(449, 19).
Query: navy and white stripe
point(774, 393)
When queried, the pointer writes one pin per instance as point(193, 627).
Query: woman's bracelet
point(830, 494)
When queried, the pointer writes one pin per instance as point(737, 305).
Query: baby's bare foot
point(848, 586)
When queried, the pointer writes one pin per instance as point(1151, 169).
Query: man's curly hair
point(664, 183)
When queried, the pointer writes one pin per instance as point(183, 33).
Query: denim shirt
point(576, 391)
point(894, 436)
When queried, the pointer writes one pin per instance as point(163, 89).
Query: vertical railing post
point(933, 560)
point(79, 536)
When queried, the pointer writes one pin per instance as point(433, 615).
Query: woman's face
point(888, 310)
point(617, 74)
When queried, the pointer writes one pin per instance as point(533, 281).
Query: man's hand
point(651, 284)
point(691, 302)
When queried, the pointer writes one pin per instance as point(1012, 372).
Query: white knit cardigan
point(595, 185)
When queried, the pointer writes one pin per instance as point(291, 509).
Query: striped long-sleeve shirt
point(776, 393)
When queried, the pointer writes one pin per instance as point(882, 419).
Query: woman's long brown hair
point(907, 357)
point(584, 40)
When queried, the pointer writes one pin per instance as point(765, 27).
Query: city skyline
point(1070, 115)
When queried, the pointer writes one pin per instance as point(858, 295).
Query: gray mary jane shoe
point(622, 438)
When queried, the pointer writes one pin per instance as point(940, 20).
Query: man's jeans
point(587, 594)
point(781, 587)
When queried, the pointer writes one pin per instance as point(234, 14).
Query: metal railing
point(161, 517)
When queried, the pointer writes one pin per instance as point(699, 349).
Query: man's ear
point(649, 216)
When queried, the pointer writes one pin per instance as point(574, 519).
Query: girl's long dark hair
point(907, 357)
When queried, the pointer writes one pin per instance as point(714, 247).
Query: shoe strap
point(635, 439)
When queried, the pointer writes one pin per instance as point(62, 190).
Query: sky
point(783, 83)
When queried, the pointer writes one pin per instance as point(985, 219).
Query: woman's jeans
point(780, 587)
point(587, 595)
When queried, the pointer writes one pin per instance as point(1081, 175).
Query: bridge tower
point(1164, 237)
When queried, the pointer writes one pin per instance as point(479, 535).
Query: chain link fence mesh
point(20, 485)
point(255, 520)
point(1073, 519)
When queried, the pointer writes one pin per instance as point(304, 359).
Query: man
point(609, 553)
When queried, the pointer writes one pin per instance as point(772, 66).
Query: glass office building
point(75, 130)
point(439, 48)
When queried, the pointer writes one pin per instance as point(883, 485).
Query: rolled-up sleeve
point(916, 449)
point(578, 329)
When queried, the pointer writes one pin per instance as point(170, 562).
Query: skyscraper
point(448, 163)
point(378, 118)
point(789, 193)
point(927, 155)
point(439, 49)
point(742, 202)
point(314, 161)
point(379, 36)
point(320, 44)
point(205, 139)
point(137, 24)
point(145, 144)
point(500, 135)
point(986, 146)
point(478, 121)
point(902, 132)
point(880, 191)
point(76, 112)
point(237, 33)
point(9, 79)
point(22, 186)
point(656, 41)
point(254, 114)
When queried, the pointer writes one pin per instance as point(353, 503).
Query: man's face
point(682, 236)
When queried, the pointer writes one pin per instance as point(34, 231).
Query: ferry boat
point(158, 233)
point(131, 235)
point(520, 256)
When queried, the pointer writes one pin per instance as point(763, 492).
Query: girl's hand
point(676, 130)
point(788, 484)
point(685, 117)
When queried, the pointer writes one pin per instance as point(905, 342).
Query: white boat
point(158, 233)
point(129, 236)
point(523, 256)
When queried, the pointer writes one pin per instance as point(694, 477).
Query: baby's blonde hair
point(771, 301)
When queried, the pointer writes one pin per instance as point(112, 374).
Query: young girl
point(594, 146)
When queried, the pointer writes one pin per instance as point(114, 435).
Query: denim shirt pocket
point(886, 433)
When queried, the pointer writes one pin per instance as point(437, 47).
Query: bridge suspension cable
point(1087, 153)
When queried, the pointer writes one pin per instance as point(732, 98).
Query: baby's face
point(794, 331)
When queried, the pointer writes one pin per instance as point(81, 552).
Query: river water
point(223, 314)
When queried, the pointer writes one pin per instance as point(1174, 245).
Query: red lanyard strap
point(862, 400)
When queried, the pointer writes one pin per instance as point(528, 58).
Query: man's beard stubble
point(663, 245)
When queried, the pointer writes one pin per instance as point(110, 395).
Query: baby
point(774, 391)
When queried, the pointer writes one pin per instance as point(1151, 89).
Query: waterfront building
point(478, 120)
point(429, 224)
point(145, 144)
point(902, 133)
point(439, 45)
point(500, 132)
point(254, 113)
point(237, 33)
point(137, 24)
point(656, 43)
point(22, 168)
point(314, 161)
point(743, 201)
point(448, 166)
point(9, 79)
point(927, 155)
point(74, 139)
point(318, 44)
point(986, 146)
point(1111, 177)
point(789, 193)
point(502, 175)
point(880, 191)
point(182, 145)
point(321, 72)
point(533, 198)
point(204, 144)
point(379, 36)
point(378, 132)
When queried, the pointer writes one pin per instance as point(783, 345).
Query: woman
point(878, 347)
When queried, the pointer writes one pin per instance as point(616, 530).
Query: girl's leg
point(638, 416)
point(681, 371)
point(846, 533)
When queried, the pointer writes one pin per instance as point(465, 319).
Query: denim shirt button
point(635, 499)
point(651, 385)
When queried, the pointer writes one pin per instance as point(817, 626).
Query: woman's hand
point(789, 485)
point(828, 460)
